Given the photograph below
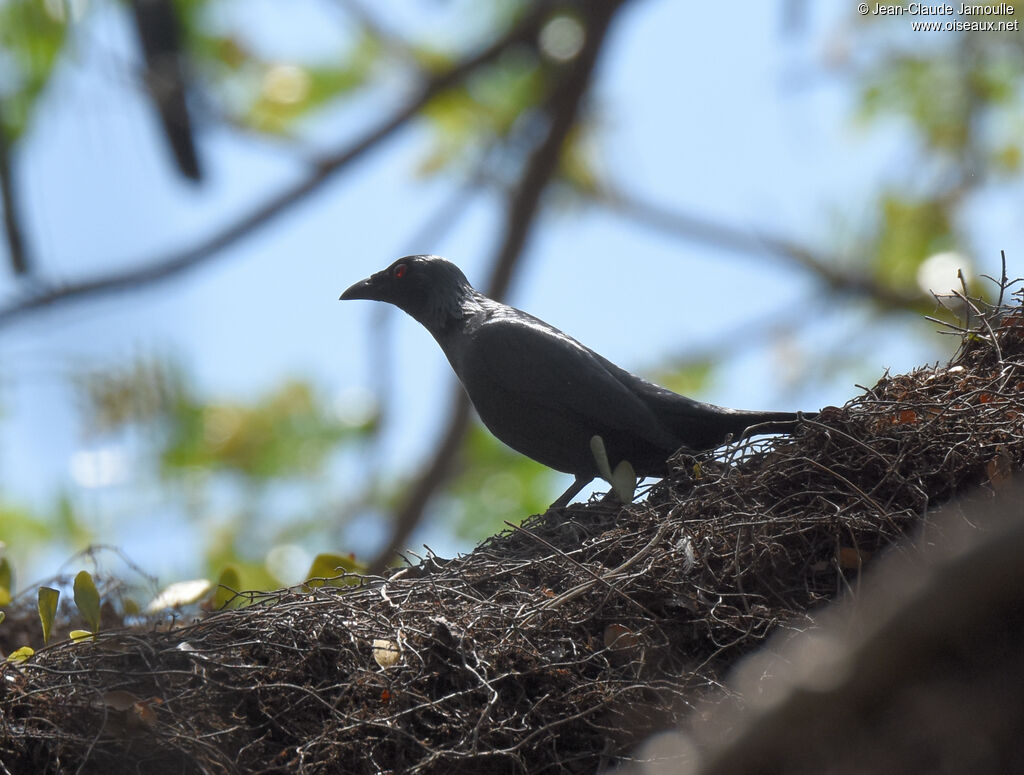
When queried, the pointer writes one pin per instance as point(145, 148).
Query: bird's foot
point(571, 492)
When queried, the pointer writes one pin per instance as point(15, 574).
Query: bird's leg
point(573, 490)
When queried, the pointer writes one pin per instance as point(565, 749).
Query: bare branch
point(828, 269)
point(159, 32)
point(17, 249)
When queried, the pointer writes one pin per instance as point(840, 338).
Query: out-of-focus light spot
point(356, 407)
point(938, 272)
point(285, 84)
point(100, 467)
point(288, 563)
point(562, 38)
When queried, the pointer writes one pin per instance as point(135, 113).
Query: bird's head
point(429, 288)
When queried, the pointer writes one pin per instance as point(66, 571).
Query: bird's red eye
point(399, 271)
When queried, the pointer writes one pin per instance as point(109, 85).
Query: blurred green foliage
point(911, 230)
point(287, 436)
point(270, 96)
point(470, 120)
point(289, 432)
point(495, 484)
point(32, 37)
point(23, 530)
point(959, 96)
point(259, 92)
point(6, 579)
point(689, 379)
point(942, 91)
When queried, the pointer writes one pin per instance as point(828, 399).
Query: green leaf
point(326, 566)
point(20, 655)
point(2, 617)
point(228, 585)
point(47, 607)
point(80, 635)
point(87, 598)
point(32, 35)
point(5, 581)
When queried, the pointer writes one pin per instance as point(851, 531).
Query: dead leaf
point(852, 559)
point(385, 652)
point(620, 639)
point(907, 417)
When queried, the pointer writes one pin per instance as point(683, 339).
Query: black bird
point(545, 394)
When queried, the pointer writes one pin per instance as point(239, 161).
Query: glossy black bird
point(545, 394)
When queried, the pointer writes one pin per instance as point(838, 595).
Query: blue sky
point(700, 107)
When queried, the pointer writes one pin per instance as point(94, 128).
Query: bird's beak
point(364, 289)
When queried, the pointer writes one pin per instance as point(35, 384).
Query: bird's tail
point(753, 423)
point(706, 426)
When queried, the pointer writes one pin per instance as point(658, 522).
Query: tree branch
point(180, 261)
point(561, 109)
point(17, 249)
point(696, 228)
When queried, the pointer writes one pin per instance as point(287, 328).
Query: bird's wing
point(515, 354)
